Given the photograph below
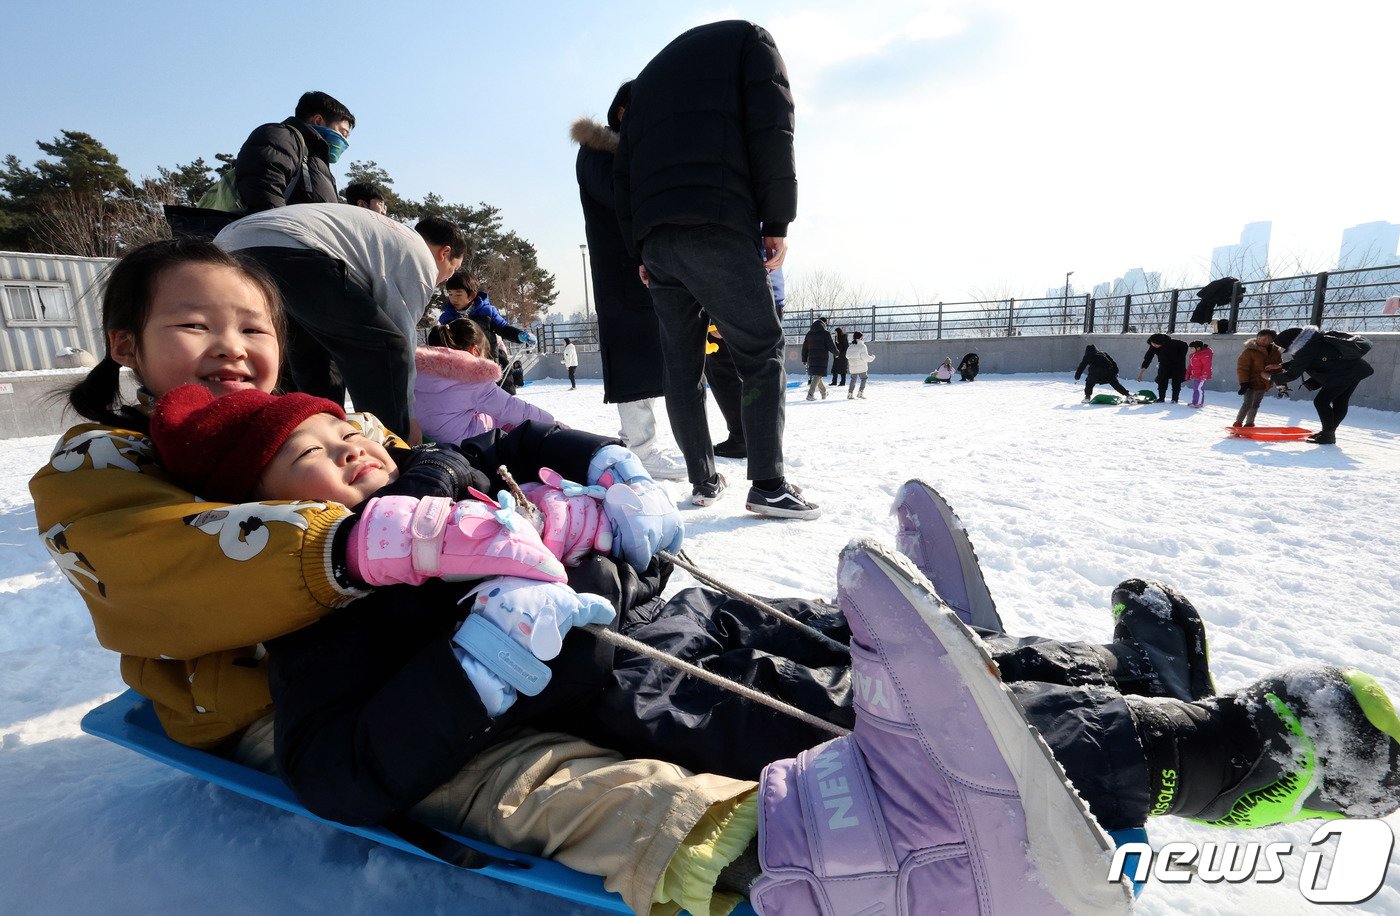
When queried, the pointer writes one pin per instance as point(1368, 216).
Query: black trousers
point(1332, 404)
point(338, 337)
point(1175, 381)
point(651, 710)
point(573, 383)
point(699, 271)
point(726, 388)
point(1113, 382)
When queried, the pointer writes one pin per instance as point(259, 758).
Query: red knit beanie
point(219, 447)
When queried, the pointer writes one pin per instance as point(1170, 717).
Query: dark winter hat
point(1286, 337)
point(219, 447)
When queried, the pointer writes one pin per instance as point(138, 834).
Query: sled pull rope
point(631, 645)
point(684, 563)
point(748, 693)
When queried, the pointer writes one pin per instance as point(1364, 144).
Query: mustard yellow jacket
point(186, 590)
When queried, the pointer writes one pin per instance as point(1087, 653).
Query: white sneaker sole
point(706, 500)
point(1072, 863)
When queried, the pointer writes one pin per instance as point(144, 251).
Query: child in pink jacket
point(455, 394)
point(1198, 371)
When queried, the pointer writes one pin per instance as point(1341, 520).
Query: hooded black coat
point(1170, 356)
point(629, 336)
point(1327, 360)
point(1099, 364)
point(708, 137)
point(818, 348)
point(270, 160)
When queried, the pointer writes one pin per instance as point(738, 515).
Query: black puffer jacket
point(629, 338)
point(1170, 356)
point(270, 160)
point(708, 137)
point(1099, 364)
point(1330, 360)
point(817, 349)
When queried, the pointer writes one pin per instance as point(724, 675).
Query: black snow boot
point(1158, 649)
point(1308, 742)
point(1166, 628)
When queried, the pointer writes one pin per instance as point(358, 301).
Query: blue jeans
point(704, 274)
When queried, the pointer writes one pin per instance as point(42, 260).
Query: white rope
point(763, 606)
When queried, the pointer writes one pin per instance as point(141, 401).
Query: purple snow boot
point(943, 800)
point(931, 535)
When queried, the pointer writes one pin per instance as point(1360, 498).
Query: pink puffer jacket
point(456, 396)
point(1200, 365)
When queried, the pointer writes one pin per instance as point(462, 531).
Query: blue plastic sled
point(129, 720)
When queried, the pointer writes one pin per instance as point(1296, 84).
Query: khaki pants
point(553, 795)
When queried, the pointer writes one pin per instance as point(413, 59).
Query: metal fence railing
point(1359, 300)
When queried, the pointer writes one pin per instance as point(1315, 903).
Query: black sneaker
point(706, 493)
point(732, 448)
point(784, 502)
point(1323, 438)
point(1167, 629)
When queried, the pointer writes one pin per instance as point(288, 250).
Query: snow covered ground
point(1288, 550)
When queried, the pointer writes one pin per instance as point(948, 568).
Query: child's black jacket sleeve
point(374, 711)
point(531, 446)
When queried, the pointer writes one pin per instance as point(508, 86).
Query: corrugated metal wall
point(26, 346)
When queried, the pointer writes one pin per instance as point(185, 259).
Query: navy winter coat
point(817, 349)
point(708, 137)
point(629, 337)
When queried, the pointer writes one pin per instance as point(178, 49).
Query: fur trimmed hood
point(458, 365)
point(588, 132)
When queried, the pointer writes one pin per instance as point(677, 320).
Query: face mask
point(336, 143)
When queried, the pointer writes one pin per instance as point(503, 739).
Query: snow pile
point(1283, 548)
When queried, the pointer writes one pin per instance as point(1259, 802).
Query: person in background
point(838, 361)
point(1258, 354)
point(1335, 364)
point(1170, 354)
point(571, 362)
point(1102, 371)
point(859, 358)
point(289, 162)
point(466, 299)
point(817, 347)
point(368, 195)
point(1198, 371)
point(629, 337)
point(969, 367)
point(704, 159)
point(455, 394)
point(944, 373)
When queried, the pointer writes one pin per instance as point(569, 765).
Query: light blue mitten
point(515, 626)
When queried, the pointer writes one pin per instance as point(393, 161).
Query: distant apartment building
point(1249, 260)
point(1369, 245)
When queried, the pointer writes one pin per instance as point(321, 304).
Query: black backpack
point(1347, 346)
point(220, 204)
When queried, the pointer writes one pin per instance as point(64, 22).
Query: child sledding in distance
point(217, 579)
point(1101, 370)
point(944, 373)
point(1198, 370)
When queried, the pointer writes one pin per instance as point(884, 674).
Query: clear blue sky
point(944, 148)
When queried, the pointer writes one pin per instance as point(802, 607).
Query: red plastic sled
point(1270, 433)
